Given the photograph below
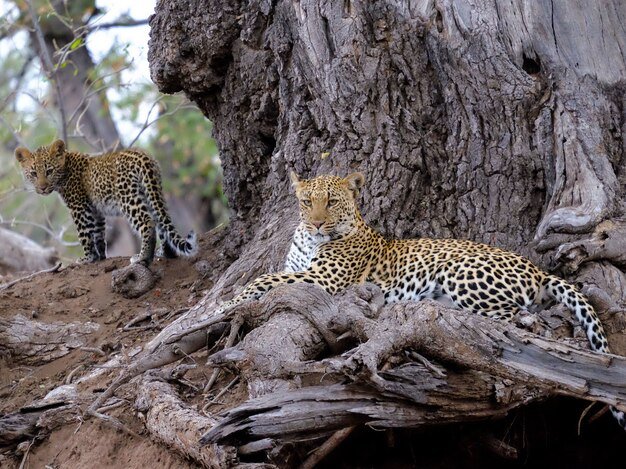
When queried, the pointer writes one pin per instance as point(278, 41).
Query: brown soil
point(81, 293)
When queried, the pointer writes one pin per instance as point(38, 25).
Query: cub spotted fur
point(126, 182)
point(333, 247)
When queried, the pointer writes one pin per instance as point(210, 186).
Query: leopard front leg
point(86, 222)
point(265, 283)
point(140, 218)
point(99, 235)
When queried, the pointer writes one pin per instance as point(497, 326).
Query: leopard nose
point(317, 224)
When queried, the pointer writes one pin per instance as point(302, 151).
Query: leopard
point(124, 182)
point(333, 247)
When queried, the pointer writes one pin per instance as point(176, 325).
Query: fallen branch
point(34, 342)
point(8, 285)
point(177, 425)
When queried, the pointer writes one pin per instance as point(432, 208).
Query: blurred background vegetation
point(79, 71)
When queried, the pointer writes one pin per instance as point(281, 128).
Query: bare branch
point(117, 24)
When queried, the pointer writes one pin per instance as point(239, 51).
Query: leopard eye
point(306, 202)
point(333, 202)
point(33, 173)
point(49, 172)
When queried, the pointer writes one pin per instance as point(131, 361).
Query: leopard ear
point(57, 147)
point(23, 155)
point(355, 181)
point(295, 180)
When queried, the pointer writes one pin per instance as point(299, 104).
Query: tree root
point(608, 242)
point(177, 425)
point(328, 446)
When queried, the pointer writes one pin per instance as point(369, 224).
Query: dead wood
point(21, 254)
point(171, 421)
point(40, 417)
point(34, 342)
point(54, 268)
point(133, 280)
point(608, 242)
point(148, 360)
point(294, 325)
point(505, 367)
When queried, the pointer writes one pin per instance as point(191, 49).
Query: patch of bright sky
point(136, 39)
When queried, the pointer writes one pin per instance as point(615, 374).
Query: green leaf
point(76, 43)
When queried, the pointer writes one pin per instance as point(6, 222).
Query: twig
point(149, 122)
point(16, 136)
point(28, 277)
point(114, 405)
point(23, 463)
point(94, 350)
point(437, 371)
point(149, 314)
point(235, 326)
point(113, 422)
point(70, 376)
point(220, 394)
point(57, 237)
point(51, 70)
point(117, 24)
point(582, 415)
point(329, 445)
point(599, 414)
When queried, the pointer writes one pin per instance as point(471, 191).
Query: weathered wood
point(171, 421)
point(34, 342)
point(133, 280)
point(21, 254)
point(510, 367)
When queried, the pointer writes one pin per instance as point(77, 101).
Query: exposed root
point(329, 445)
point(235, 326)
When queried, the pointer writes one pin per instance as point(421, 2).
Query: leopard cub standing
point(126, 182)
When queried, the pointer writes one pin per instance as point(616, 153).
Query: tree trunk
point(500, 123)
point(495, 123)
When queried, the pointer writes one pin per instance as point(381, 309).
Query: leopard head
point(45, 167)
point(328, 203)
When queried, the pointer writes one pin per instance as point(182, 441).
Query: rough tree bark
point(496, 122)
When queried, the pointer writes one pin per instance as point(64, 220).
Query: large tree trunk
point(501, 124)
point(497, 122)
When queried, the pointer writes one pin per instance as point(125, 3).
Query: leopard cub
point(126, 182)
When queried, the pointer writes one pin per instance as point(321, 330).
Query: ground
point(82, 293)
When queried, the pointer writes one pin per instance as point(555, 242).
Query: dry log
point(21, 254)
point(171, 421)
point(34, 342)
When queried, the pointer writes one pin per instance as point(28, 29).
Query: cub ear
point(355, 181)
point(58, 146)
point(22, 155)
point(295, 180)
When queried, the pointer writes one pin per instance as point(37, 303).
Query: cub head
point(45, 167)
point(328, 203)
